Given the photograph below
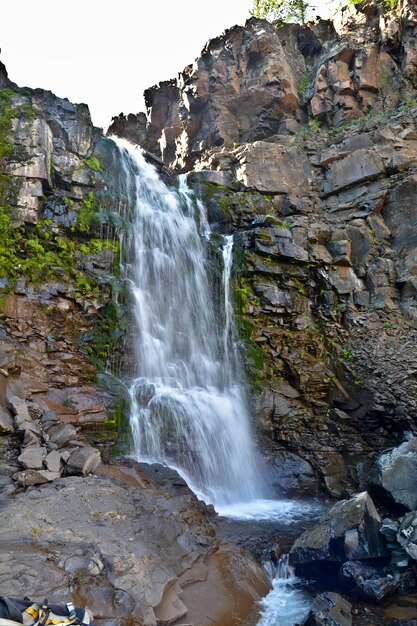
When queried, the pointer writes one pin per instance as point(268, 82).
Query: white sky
point(106, 52)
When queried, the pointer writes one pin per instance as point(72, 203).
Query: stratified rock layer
point(257, 81)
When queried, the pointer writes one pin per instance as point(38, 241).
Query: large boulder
point(290, 474)
point(273, 168)
point(407, 534)
point(329, 609)
point(348, 531)
point(83, 461)
point(32, 457)
point(134, 542)
point(367, 582)
point(394, 474)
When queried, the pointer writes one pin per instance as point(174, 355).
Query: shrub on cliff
point(285, 10)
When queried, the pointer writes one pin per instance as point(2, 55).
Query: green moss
point(95, 246)
point(6, 115)
point(9, 111)
point(34, 252)
point(102, 340)
point(303, 84)
point(87, 214)
point(38, 252)
point(255, 357)
point(93, 163)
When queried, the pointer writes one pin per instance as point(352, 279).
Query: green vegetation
point(6, 115)
point(312, 128)
point(284, 10)
point(8, 111)
point(46, 251)
point(303, 84)
point(389, 5)
point(87, 217)
point(93, 163)
point(101, 340)
point(39, 252)
point(254, 353)
point(346, 354)
point(408, 102)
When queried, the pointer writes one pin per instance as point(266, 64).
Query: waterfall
point(188, 407)
point(280, 570)
point(228, 307)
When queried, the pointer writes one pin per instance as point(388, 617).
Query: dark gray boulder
point(407, 534)
point(83, 461)
point(394, 474)
point(329, 609)
point(6, 421)
point(367, 582)
point(61, 434)
point(348, 531)
point(289, 474)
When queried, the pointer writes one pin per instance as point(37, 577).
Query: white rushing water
point(228, 306)
point(284, 511)
point(287, 603)
point(188, 407)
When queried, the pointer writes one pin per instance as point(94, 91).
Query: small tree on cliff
point(285, 10)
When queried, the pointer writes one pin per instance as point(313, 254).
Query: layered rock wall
point(264, 79)
point(57, 249)
point(303, 143)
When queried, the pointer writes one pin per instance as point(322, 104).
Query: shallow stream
point(264, 526)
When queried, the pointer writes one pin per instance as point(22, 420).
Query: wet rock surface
point(125, 542)
point(395, 474)
point(348, 531)
point(330, 609)
point(367, 583)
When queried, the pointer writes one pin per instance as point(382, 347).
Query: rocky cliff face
point(56, 253)
point(262, 80)
point(303, 143)
point(129, 543)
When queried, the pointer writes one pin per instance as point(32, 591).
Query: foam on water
point(285, 511)
point(285, 605)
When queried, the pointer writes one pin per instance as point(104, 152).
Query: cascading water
point(287, 603)
point(228, 307)
point(188, 409)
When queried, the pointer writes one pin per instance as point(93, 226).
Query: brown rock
point(273, 168)
point(360, 166)
point(243, 87)
point(32, 477)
